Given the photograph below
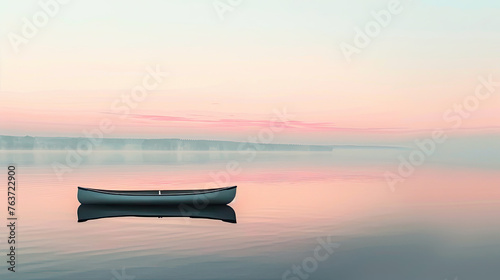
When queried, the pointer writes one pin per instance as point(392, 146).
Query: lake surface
point(298, 216)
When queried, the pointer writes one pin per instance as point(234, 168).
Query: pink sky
point(227, 78)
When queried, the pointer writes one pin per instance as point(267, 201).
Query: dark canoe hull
point(218, 196)
point(216, 212)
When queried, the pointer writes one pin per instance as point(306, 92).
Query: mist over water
point(441, 223)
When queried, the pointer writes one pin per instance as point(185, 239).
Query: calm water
point(441, 223)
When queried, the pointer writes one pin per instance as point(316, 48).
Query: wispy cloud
point(227, 123)
point(240, 122)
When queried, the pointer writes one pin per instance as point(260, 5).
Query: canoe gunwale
point(155, 192)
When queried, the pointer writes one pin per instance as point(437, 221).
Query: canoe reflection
point(216, 212)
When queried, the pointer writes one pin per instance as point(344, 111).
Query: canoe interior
point(157, 192)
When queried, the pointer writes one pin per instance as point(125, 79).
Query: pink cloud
point(235, 123)
point(226, 123)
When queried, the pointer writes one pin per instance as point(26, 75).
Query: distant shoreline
point(24, 143)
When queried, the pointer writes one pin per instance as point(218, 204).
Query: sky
point(230, 69)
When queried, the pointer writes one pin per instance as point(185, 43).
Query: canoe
point(198, 198)
point(223, 213)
